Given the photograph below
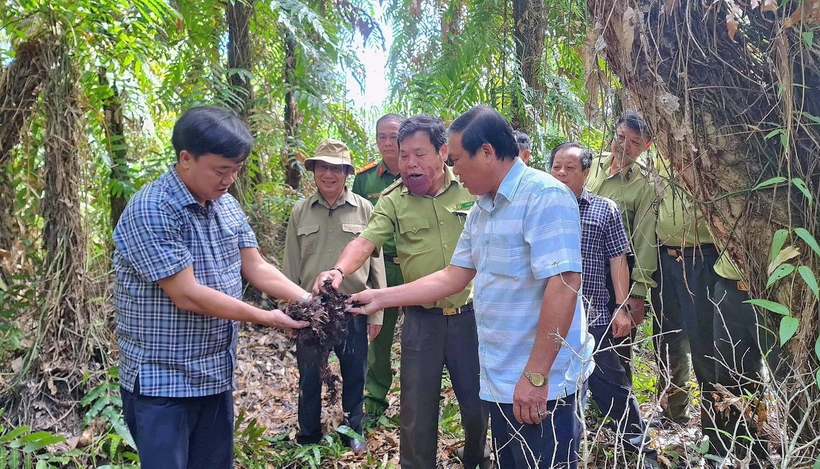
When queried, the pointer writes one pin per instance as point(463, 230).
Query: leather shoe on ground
point(359, 447)
point(485, 463)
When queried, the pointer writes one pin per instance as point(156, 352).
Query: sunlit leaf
point(808, 238)
point(808, 277)
point(770, 306)
point(781, 271)
point(788, 253)
point(788, 326)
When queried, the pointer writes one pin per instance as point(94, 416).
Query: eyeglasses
point(335, 169)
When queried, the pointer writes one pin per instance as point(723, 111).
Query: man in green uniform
point(425, 211)
point(623, 177)
point(320, 227)
point(369, 183)
point(684, 312)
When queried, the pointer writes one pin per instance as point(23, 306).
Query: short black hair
point(522, 140)
point(632, 119)
point(433, 126)
point(483, 124)
point(212, 129)
point(389, 117)
point(585, 156)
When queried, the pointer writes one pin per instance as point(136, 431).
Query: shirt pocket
point(352, 230)
point(415, 234)
point(308, 238)
point(508, 255)
point(228, 246)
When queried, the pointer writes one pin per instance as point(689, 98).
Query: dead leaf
point(769, 5)
point(785, 254)
point(628, 32)
point(731, 26)
point(17, 364)
point(669, 103)
point(754, 4)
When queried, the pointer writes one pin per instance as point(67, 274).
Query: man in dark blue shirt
point(603, 241)
point(183, 246)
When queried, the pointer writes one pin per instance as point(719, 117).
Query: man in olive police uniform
point(369, 183)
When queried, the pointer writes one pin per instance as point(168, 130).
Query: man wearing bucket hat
point(319, 229)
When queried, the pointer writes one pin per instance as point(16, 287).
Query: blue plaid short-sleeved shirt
point(531, 231)
point(162, 231)
point(603, 238)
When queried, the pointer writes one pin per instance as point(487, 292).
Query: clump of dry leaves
point(328, 316)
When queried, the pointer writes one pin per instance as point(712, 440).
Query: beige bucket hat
point(331, 151)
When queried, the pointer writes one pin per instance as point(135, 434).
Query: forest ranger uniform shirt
point(515, 242)
point(163, 230)
point(317, 234)
point(635, 196)
point(426, 230)
point(369, 183)
point(680, 222)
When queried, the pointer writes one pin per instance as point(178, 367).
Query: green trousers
point(379, 365)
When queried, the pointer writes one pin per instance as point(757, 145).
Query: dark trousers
point(742, 342)
point(352, 355)
point(612, 389)
point(552, 443)
point(684, 320)
point(181, 432)
point(379, 363)
point(429, 341)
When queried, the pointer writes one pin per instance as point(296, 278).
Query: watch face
point(537, 379)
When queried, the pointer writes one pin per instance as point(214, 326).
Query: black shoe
point(485, 463)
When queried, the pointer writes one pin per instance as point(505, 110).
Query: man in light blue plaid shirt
point(183, 245)
point(603, 242)
point(522, 245)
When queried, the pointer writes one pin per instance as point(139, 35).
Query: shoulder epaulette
point(364, 168)
point(392, 187)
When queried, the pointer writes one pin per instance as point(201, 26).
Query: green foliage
point(103, 402)
point(22, 448)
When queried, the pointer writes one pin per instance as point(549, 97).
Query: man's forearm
point(428, 289)
point(270, 280)
point(557, 312)
point(619, 270)
point(355, 254)
point(209, 302)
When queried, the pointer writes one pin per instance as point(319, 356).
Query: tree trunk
point(293, 169)
point(117, 150)
point(240, 65)
point(728, 105)
point(528, 31)
point(20, 84)
point(64, 328)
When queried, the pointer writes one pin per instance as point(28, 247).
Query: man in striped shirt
point(603, 241)
point(521, 243)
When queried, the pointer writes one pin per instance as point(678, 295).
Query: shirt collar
point(586, 196)
point(625, 172)
point(179, 190)
point(346, 198)
point(382, 168)
point(508, 188)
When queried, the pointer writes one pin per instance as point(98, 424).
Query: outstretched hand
point(333, 275)
point(367, 301)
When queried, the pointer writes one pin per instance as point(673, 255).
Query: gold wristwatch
point(536, 379)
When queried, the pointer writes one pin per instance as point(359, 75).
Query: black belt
point(468, 308)
point(694, 251)
point(391, 259)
